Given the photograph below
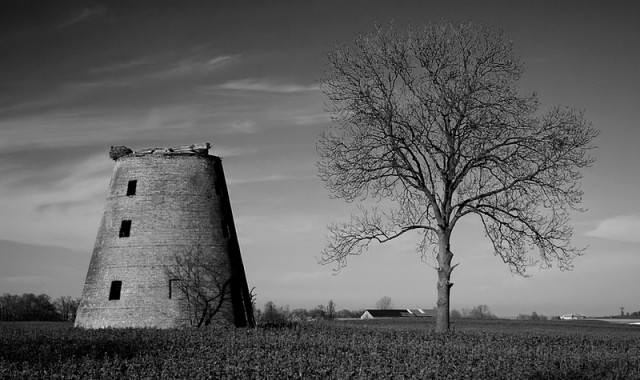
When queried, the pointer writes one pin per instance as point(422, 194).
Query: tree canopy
point(431, 121)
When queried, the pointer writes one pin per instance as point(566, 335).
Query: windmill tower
point(163, 204)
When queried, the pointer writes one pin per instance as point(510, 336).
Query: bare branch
point(202, 281)
point(353, 238)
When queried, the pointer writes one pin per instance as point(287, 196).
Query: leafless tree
point(331, 310)
point(66, 307)
point(272, 313)
point(27, 307)
point(202, 281)
point(478, 312)
point(429, 124)
point(384, 303)
point(455, 314)
point(255, 311)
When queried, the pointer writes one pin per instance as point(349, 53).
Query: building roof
point(423, 312)
point(398, 313)
point(388, 313)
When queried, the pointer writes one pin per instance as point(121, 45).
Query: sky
point(77, 77)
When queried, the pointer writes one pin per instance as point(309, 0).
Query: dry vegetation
point(495, 349)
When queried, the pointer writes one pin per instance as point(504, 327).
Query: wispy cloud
point(267, 85)
point(121, 66)
point(244, 126)
point(177, 65)
point(143, 82)
point(196, 64)
point(61, 208)
point(50, 99)
point(173, 117)
point(82, 15)
point(621, 228)
point(311, 119)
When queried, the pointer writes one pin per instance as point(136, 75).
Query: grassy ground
point(379, 349)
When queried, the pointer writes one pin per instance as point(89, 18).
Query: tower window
point(125, 228)
point(174, 289)
point(131, 187)
point(114, 292)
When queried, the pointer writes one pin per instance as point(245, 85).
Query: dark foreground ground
point(382, 349)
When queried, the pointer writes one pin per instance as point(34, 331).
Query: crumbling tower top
point(201, 149)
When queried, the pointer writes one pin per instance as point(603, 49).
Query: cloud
point(120, 66)
point(244, 126)
point(55, 98)
point(196, 65)
point(621, 228)
point(266, 85)
point(146, 70)
point(216, 61)
point(311, 119)
point(62, 207)
point(172, 117)
point(83, 15)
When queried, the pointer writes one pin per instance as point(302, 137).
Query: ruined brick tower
point(162, 202)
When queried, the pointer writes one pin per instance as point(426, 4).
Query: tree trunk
point(444, 285)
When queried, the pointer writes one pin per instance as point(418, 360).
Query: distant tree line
point(29, 307)
point(533, 317)
point(483, 312)
point(478, 312)
point(271, 313)
point(623, 314)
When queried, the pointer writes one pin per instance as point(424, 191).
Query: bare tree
point(479, 312)
point(429, 124)
point(202, 281)
point(331, 310)
point(255, 311)
point(27, 307)
point(384, 303)
point(272, 314)
point(318, 312)
point(66, 307)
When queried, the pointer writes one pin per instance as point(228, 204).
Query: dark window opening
point(125, 228)
point(225, 229)
point(131, 188)
point(174, 289)
point(114, 293)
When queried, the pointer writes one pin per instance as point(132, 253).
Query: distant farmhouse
point(397, 313)
point(573, 316)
